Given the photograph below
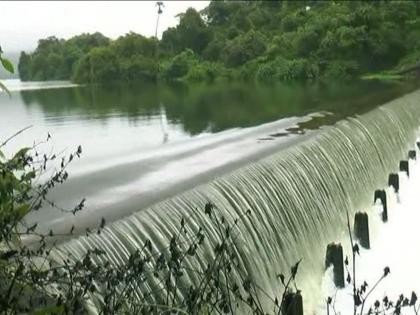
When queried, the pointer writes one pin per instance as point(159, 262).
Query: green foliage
point(138, 68)
point(244, 48)
point(180, 66)
point(6, 64)
point(281, 69)
point(341, 69)
point(100, 64)
point(54, 59)
point(133, 44)
point(205, 72)
point(192, 31)
point(301, 39)
point(24, 66)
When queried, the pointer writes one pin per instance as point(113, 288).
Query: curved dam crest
point(298, 199)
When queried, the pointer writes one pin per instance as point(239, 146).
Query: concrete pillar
point(412, 154)
point(404, 167)
point(381, 195)
point(334, 257)
point(292, 304)
point(394, 181)
point(361, 229)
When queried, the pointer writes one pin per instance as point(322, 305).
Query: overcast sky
point(22, 23)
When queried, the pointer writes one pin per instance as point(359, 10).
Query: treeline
point(258, 40)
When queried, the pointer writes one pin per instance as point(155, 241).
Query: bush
point(205, 72)
point(179, 65)
point(282, 69)
point(100, 65)
point(248, 71)
point(341, 69)
point(290, 23)
point(138, 68)
point(307, 42)
point(266, 73)
point(214, 49)
point(244, 48)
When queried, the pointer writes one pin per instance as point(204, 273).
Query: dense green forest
point(260, 40)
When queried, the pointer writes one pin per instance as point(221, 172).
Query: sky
point(23, 23)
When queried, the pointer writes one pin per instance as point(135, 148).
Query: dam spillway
point(298, 198)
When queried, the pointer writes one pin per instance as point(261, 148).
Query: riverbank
point(241, 41)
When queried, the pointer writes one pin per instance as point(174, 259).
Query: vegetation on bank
point(257, 40)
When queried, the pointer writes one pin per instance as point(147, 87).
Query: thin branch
point(15, 135)
point(354, 264)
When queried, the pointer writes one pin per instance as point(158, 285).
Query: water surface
point(142, 144)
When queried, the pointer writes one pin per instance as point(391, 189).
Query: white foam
point(394, 244)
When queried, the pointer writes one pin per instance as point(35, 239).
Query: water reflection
point(215, 108)
point(142, 144)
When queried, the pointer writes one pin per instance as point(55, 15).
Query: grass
point(382, 76)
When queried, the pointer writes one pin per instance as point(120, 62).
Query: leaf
point(53, 309)
point(4, 88)
point(21, 153)
point(295, 269)
point(29, 176)
point(7, 65)
point(281, 276)
point(22, 210)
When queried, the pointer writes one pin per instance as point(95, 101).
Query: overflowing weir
point(298, 199)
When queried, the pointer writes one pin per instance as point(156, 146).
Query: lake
point(142, 144)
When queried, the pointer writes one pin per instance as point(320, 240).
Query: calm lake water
point(145, 143)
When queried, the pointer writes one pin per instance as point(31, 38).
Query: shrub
point(244, 48)
point(100, 65)
point(281, 69)
point(341, 69)
point(179, 65)
point(138, 68)
point(205, 72)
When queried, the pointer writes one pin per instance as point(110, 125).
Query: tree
point(244, 48)
point(191, 33)
point(321, 38)
point(24, 66)
point(100, 65)
point(179, 65)
point(160, 5)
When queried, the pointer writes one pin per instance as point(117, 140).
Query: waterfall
point(298, 199)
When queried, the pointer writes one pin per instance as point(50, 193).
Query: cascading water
point(298, 199)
